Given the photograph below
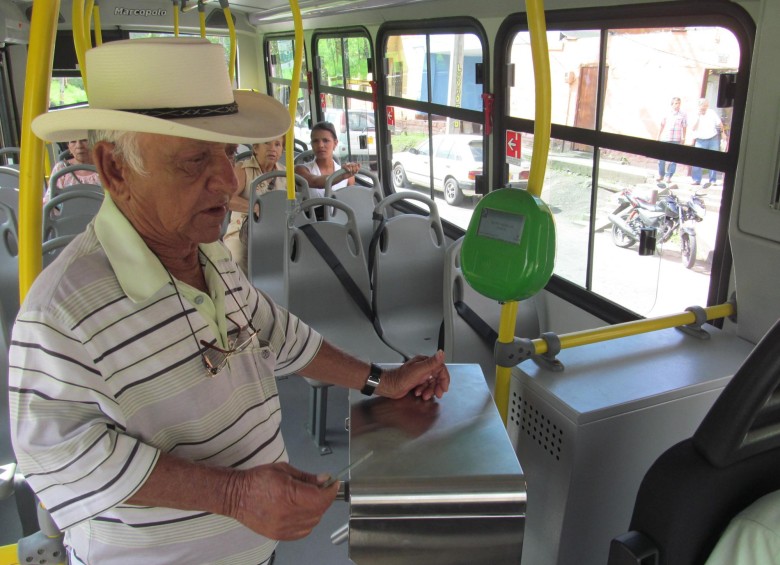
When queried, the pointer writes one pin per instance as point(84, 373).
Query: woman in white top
point(323, 142)
point(265, 158)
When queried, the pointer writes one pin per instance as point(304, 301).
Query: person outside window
point(707, 128)
point(673, 128)
point(143, 364)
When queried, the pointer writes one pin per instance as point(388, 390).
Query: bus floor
point(304, 454)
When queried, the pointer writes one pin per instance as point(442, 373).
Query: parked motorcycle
point(667, 215)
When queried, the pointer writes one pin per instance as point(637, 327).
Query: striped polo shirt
point(106, 373)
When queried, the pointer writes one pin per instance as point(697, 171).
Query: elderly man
point(145, 413)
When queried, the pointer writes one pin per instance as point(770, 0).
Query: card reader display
point(508, 252)
point(500, 225)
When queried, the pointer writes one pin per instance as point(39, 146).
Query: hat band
point(189, 112)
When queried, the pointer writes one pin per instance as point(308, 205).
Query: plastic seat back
point(268, 234)
point(694, 489)
point(318, 297)
point(71, 170)
point(9, 267)
point(70, 212)
point(407, 274)
point(9, 177)
point(462, 342)
point(361, 199)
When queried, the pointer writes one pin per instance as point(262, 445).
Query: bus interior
point(666, 250)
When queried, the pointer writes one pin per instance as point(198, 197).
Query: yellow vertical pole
point(289, 144)
point(36, 101)
point(541, 59)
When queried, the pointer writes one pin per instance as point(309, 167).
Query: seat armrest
point(633, 548)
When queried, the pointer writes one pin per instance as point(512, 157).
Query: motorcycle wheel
point(621, 238)
point(688, 250)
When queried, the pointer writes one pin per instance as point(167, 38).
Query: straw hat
point(170, 86)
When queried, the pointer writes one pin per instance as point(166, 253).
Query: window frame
point(656, 15)
point(319, 89)
point(441, 26)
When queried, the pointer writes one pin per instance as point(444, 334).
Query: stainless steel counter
point(443, 485)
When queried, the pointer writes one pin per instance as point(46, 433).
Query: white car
point(361, 123)
point(457, 160)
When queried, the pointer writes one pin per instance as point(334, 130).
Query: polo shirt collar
point(129, 255)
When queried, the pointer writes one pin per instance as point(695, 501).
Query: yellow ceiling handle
point(79, 43)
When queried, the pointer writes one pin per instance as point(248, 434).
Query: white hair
point(125, 146)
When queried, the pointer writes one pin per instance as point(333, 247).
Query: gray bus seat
point(319, 298)
point(9, 268)
point(71, 169)
point(266, 260)
point(462, 342)
point(10, 156)
point(303, 156)
point(693, 490)
point(70, 212)
point(407, 269)
point(9, 177)
point(362, 199)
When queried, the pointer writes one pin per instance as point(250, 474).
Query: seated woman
point(264, 159)
point(81, 155)
point(323, 142)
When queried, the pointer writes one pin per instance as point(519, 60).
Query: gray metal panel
point(587, 436)
point(600, 378)
point(443, 484)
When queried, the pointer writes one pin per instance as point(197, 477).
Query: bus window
point(434, 117)
point(344, 86)
point(280, 58)
point(634, 116)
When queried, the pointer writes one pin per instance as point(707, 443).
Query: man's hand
point(426, 376)
point(278, 500)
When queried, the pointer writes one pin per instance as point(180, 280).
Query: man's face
point(183, 197)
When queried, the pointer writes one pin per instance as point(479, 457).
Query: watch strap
point(372, 382)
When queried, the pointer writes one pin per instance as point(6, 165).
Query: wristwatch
point(373, 380)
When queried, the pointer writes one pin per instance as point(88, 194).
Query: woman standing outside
point(323, 142)
point(264, 159)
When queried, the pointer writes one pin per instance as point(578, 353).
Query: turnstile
point(443, 486)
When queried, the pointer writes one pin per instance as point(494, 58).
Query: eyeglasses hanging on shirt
point(214, 357)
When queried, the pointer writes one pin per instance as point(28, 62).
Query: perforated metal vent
point(530, 421)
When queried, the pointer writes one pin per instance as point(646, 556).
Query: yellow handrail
point(541, 59)
point(43, 28)
point(596, 335)
point(289, 141)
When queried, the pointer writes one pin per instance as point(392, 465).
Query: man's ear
point(113, 171)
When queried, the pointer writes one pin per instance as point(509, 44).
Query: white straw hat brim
point(259, 118)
